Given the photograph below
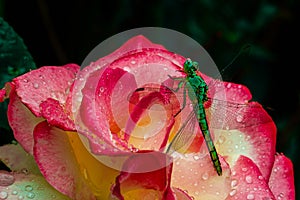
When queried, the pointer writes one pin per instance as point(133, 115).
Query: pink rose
point(49, 106)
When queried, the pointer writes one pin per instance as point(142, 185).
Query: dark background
point(59, 32)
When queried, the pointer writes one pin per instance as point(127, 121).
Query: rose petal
point(57, 162)
point(14, 157)
point(100, 177)
point(55, 114)
point(46, 82)
point(195, 174)
point(22, 122)
point(29, 186)
point(148, 127)
point(247, 181)
point(249, 132)
point(92, 119)
point(181, 195)
point(152, 183)
point(282, 178)
point(2, 95)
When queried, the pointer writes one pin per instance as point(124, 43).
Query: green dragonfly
point(194, 86)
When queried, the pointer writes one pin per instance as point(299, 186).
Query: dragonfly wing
point(184, 136)
point(230, 115)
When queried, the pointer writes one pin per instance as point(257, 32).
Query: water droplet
point(101, 89)
point(221, 139)
point(205, 176)
point(28, 188)
point(3, 195)
point(14, 192)
point(228, 85)
point(21, 197)
point(30, 195)
point(250, 196)
point(127, 69)
point(133, 62)
point(25, 171)
point(244, 169)
point(36, 85)
point(6, 178)
point(234, 183)
point(239, 118)
point(280, 196)
point(196, 157)
point(248, 179)
point(232, 192)
point(25, 80)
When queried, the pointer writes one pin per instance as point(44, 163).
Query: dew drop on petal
point(28, 188)
point(221, 139)
point(3, 195)
point(14, 192)
point(244, 169)
point(250, 196)
point(239, 118)
point(133, 62)
point(232, 192)
point(102, 89)
point(205, 176)
point(6, 178)
point(248, 179)
point(30, 195)
point(196, 157)
point(36, 85)
point(234, 183)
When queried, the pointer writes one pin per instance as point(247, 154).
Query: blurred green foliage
point(57, 33)
point(14, 61)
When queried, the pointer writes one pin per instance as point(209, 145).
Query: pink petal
point(195, 174)
point(247, 181)
point(55, 114)
point(248, 131)
point(151, 137)
point(282, 178)
point(57, 162)
point(145, 171)
point(109, 81)
point(181, 195)
point(95, 119)
point(2, 95)
point(46, 82)
point(22, 122)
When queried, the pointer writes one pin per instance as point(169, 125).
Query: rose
point(43, 101)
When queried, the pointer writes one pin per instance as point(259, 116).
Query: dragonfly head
point(189, 67)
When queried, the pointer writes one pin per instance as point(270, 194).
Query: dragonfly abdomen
point(208, 140)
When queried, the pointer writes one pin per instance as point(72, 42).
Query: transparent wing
point(184, 136)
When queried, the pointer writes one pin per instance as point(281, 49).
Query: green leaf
point(14, 61)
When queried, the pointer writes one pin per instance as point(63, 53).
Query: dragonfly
point(196, 88)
